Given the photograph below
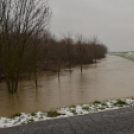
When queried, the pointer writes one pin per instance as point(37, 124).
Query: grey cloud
point(111, 20)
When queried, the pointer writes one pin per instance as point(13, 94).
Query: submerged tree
point(94, 43)
point(20, 21)
point(68, 43)
point(80, 51)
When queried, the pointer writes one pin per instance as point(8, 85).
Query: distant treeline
point(47, 53)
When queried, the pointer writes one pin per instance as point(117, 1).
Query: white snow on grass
point(130, 54)
point(94, 107)
point(127, 55)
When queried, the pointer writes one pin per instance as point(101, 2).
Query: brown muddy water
point(112, 77)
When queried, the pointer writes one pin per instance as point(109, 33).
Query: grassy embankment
point(81, 109)
point(127, 55)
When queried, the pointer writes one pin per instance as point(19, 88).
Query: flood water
point(112, 77)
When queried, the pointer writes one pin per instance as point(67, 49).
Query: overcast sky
point(111, 20)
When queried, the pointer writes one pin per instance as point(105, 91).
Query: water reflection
point(111, 78)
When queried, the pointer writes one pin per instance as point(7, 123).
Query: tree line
point(67, 51)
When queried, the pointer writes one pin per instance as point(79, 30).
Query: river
point(112, 77)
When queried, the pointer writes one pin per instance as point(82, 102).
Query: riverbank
point(118, 121)
point(73, 110)
point(94, 107)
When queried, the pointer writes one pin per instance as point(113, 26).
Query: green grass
point(33, 114)
point(85, 108)
point(72, 106)
point(74, 111)
point(41, 117)
point(15, 115)
point(107, 106)
point(132, 98)
point(103, 104)
point(120, 102)
point(30, 120)
point(102, 108)
point(96, 102)
point(53, 113)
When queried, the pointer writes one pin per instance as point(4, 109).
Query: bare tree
point(20, 20)
point(68, 42)
point(94, 43)
point(80, 49)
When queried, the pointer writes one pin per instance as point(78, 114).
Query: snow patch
point(23, 118)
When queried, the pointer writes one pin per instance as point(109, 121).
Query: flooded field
point(112, 77)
